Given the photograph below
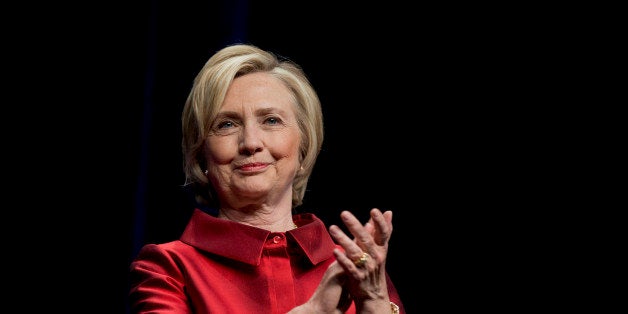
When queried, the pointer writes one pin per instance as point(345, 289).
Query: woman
point(252, 130)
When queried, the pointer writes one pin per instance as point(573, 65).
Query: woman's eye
point(272, 120)
point(225, 124)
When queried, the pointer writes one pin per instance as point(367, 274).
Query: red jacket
point(221, 266)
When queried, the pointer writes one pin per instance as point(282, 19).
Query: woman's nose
point(251, 140)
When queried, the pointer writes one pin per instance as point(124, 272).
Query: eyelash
point(229, 123)
point(275, 120)
point(223, 124)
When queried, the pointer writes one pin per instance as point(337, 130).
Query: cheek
point(219, 152)
point(288, 146)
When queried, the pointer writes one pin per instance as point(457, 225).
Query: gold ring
point(362, 260)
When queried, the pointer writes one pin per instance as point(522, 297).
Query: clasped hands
point(359, 272)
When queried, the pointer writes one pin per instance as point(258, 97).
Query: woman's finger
point(362, 237)
point(352, 250)
point(380, 226)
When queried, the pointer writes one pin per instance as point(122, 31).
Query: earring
point(205, 172)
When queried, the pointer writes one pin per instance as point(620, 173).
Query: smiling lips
point(253, 167)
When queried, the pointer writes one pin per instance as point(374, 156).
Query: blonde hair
point(208, 93)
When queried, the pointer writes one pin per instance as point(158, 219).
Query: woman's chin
point(252, 191)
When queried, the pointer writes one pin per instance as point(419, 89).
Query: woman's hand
point(330, 295)
point(364, 259)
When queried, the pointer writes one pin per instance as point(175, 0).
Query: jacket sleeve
point(393, 295)
point(156, 283)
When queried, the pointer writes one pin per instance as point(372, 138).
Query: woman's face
point(253, 146)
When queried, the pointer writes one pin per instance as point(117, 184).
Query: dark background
point(436, 112)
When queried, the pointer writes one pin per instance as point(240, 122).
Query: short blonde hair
point(208, 93)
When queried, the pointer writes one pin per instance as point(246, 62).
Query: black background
point(430, 111)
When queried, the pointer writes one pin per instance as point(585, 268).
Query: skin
point(366, 284)
point(252, 154)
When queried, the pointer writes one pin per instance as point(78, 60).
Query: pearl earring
point(205, 172)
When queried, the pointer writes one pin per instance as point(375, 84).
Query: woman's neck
point(274, 219)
